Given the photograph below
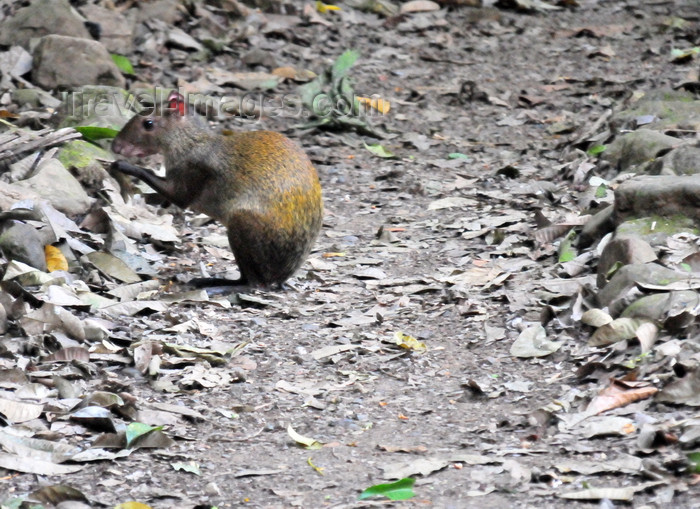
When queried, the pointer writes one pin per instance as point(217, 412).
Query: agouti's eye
point(148, 124)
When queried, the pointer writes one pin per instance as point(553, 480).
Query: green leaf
point(310, 92)
point(343, 89)
point(614, 268)
point(123, 63)
point(694, 462)
point(457, 155)
point(331, 100)
point(678, 55)
point(399, 490)
point(596, 150)
point(136, 430)
point(93, 133)
point(12, 503)
point(343, 63)
point(601, 191)
point(380, 151)
point(567, 252)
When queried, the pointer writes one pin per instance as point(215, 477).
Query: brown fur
point(259, 184)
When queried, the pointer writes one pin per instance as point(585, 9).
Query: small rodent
point(259, 184)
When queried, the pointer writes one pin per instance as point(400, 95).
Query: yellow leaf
point(132, 505)
point(291, 73)
point(317, 469)
point(55, 259)
point(409, 342)
point(324, 8)
point(381, 105)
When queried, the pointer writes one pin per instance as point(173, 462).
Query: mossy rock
point(638, 147)
point(81, 154)
point(670, 109)
point(656, 229)
point(94, 105)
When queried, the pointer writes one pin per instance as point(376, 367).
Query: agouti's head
point(145, 135)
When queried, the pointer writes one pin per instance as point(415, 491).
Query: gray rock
point(81, 154)
point(95, 105)
point(21, 242)
point(81, 158)
point(116, 32)
point(619, 292)
point(669, 109)
point(655, 230)
point(637, 147)
point(167, 11)
point(15, 62)
point(40, 18)
point(56, 65)
point(34, 98)
point(684, 160)
point(11, 194)
point(56, 185)
point(658, 196)
point(623, 251)
point(597, 227)
point(666, 308)
point(258, 56)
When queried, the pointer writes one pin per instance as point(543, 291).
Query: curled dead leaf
point(596, 317)
point(617, 330)
point(419, 6)
point(619, 394)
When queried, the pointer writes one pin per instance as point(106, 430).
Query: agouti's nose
point(117, 146)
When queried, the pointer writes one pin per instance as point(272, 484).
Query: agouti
point(259, 184)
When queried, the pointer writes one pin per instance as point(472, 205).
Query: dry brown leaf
point(647, 334)
point(35, 466)
point(143, 354)
point(19, 411)
point(550, 233)
point(381, 105)
point(617, 330)
point(69, 354)
point(292, 73)
point(618, 395)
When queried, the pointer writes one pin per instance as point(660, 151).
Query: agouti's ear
point(176, 103)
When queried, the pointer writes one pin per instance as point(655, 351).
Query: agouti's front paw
point(127, 168)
